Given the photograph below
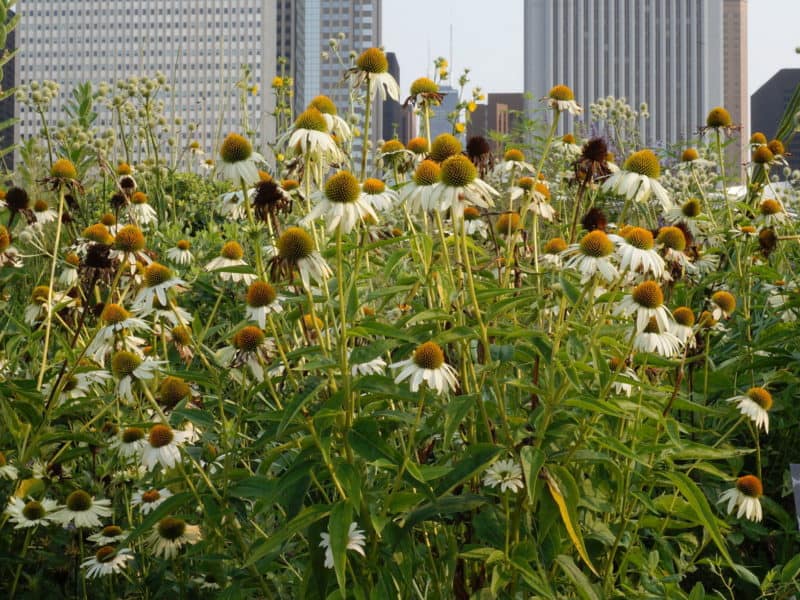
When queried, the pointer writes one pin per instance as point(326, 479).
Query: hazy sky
point(488, 38)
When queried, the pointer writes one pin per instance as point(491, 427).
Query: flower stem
point(367, 116)
point(49, 324)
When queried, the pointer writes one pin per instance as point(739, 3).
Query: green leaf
point(532, 460)
point(570, 290)
point(441, 507)
point(311, 388)
point(306, 517)
point(366, 440)
point(256, 487)
point(338, 528)
point(582, 585)
point(476, 460)
point(454, 413)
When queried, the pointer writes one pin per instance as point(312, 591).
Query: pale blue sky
point(488, 38)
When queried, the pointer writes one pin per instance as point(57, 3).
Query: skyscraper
point(681, 57)
point(768, 104)
point(200, 45)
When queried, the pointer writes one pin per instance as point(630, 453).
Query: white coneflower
point(162, 446)
point(9, 255)
point(771, 213)
point(39, 306)
point(341, 203)
point(513, 160)
point(418, 193)
point(238, 161)
point(375, 366)
point(171, 534)
point(427, 364)
point(459, 186)
point(82, 510)
point(647, 301)
point(690, 159)
point(158, 280)
point(181, 253)
point(130, 443)
point(79, 384)
point(690, 213)
point(474, 222)
point(683, 325)
point(231, 255)
point(562, 98)
point(624, 375)
point(755, 404)
point(373, 64)
point(636, 250)
point(377, 195)
point(252, 348)
point(31, 513)
point(170, 315)
point(232, 204)
point(552, 251)
point(140, 210)
point(567, 147)
point(106, 561)
point(296, 252)
point(537, 195)
point(638, 179)
point(116, 333)
point(336, 124)
point(147, 501)
point(658, 341)
point(69, 275)
point(43, 213)
point(129, 367)
point(355, 541)
point(261, 301)
point(129, 244)
point(746, 495)
point(505, 473)
point(592, 255)
point(110, 534)
point(310, 136)
point(722, 304)
point(7, 471)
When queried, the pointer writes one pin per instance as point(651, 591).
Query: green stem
point(367, 115)
point(49, 324)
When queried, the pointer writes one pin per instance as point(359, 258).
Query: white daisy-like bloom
point(7, 471)
point(262, 300)
point(250, 348)
point(69, 274)
point(231, 255)
point(538, 195)
point(341, 203)
point(29, 513)
point(459, 187)
point(427, 364)
point(148, 500)
point(128, 367)
point(723, 304)
point(82, 510)
point(356, 540)
point(592, 255)
point(690, 213)
point(129, 244)
point(158, 280)
point(624, 375)
point(336, 124)
point(129, 444)
point(778, 294)
point(771, 212)
point(43, 213)
point(181, 253)
point(375, 366)
point(162, 445)
point(505, 473)
point(638, 179)
point(170, 315)
point(755, 404)
point(170, 534)
point(683, 326)
point(110, 534)
point(552, 251)
point(232, 205)
point(238, 161)
point(372, 64)
point(295, 251)
point(417, 194)
point(79, 384)
point(562, 99)
point(513, 161)
point(38, 308)
point(310, 136)
point(140, 211)
point(656, 341)
point(474, 223)
point(567, 147)
point(377, 195)
point(106, 561)
point(746, 496)
point(647, 302)
point(690, 159)
point(636, 251)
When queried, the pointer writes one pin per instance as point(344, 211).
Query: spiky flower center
point(124, 168)
point(761, 397)
point(542, 189)
point(324, 105)
point(71, 258)
point(568, 139)
point(232, 251)
point(513, 154)
point(183, 245)
point(290, 184)
point(311, 119)
point(98, 233)
point(458, 171)
point(111, 531)
point(392, 146)
point(124, 363)
point(63, 169)
point(691, 208)
point(652, 326)
point(342, 188)
point(374, 186)
point(129, 239)
point(40, 206)
point(417, 145)
point(5, 238)
point(689, 155)
point(750, 486)
point(114, 313)
point(79, 501)
point(758, 138)
point(40, 294)
point(672, 237)
point(725, 300)
point(105, 554)
point(373, 60)
point(770, 207)
point(507, 223)
point(33, 510)
point(648, 294)
point(526, 183)
point(181, 335)
point(295, 244)
point(139, 198)
point(235, 148)
point(260, 293)
point(444, 146)
point(639, 237)
point(471, 213)
point(684, 316)
point(776, 147)
point(160, 436)
point(249, 338)
point(596, 244)
point(644, 162)
point(561, 92)
point(156, 274)
point(747, 229)
point(763, 155)
point(429, 356)
point(718, 117)
point(151, 496)
point(132, 434)
point(108, 219)
point(427, 173)
point(173, 390)
point(171, 528)
point(555, 246)
point(423, 85)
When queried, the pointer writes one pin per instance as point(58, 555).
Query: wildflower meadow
point(289, 368)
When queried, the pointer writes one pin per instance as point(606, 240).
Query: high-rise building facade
point(681, 57)
point(498, 116)
point(200, 45)
point(769, 103)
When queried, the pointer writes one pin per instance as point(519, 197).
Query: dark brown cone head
point(595, 150)
point(477, 146)
point(594, 219)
